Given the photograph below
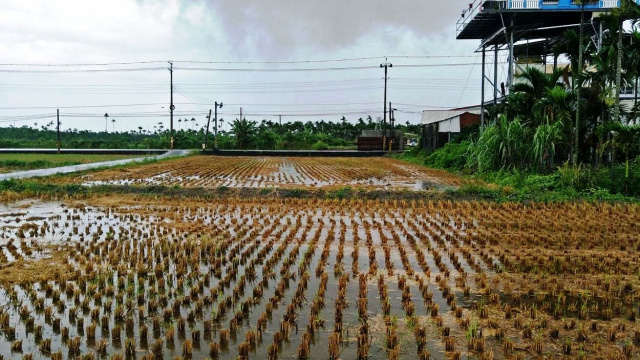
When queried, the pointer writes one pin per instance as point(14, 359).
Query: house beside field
point(441, 126)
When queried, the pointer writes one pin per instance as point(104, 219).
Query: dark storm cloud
point(279, 26)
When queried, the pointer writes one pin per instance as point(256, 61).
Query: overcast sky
point(235, 34)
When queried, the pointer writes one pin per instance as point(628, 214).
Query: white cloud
point(74, 31)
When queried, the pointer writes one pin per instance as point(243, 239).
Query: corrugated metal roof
point(434, 116)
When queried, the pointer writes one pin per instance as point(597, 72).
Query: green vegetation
point(33, 188)
point(16, 162)
point(561, 135)
point(244, 134)
point(451, 156)
point(320, 145)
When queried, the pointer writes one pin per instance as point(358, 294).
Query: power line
point(188, 113)
point(391, 79)
point(82, 70)
point(240, 62)
point(76, 107)
point(424, 106)
point(318, 69)
point(467, 82)
point(85, 64)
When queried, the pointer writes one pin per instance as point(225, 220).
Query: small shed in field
point(440, 126)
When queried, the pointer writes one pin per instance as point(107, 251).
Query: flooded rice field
point(317, 279)
point(264, 172)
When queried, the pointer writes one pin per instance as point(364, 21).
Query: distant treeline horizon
point(244, 134)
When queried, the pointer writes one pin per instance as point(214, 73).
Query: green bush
point(478, 189)
point(320, 145)
point(613, 179)
point(537, 183)
point(451, 156)
point(577, 177)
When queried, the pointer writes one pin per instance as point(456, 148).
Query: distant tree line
point(238, 134)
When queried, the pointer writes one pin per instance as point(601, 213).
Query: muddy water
point(159, 234)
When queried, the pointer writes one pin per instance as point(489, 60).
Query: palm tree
point(578, 71)
point(569, 46)
point(113, 125)
point(535, 87)
point(243, 131)
point(554, 106)
point(344, 127)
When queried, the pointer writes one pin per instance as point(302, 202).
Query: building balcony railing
point(524, 4)
point(479, 6)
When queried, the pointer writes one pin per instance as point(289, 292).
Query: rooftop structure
point(441, 126)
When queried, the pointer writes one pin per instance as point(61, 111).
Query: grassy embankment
point(18, 162)
point(559, 183)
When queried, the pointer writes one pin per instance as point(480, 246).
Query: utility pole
point(482, 88)
point(106, 123)
point(576, 135)
point(240, 115)
point(206, 133)
point(280, 119)
point(386, 65)
point(392, 121)
point(171, 106)
point(216, 106)
point(58, 128)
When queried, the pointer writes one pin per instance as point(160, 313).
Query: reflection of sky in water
point(284, 172)
point(260, 181)
point(247, 228)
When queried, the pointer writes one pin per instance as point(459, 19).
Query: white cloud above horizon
point(71, 32)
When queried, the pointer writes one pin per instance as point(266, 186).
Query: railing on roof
point(478, 6)
point(474, 8)
point(605, 4)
